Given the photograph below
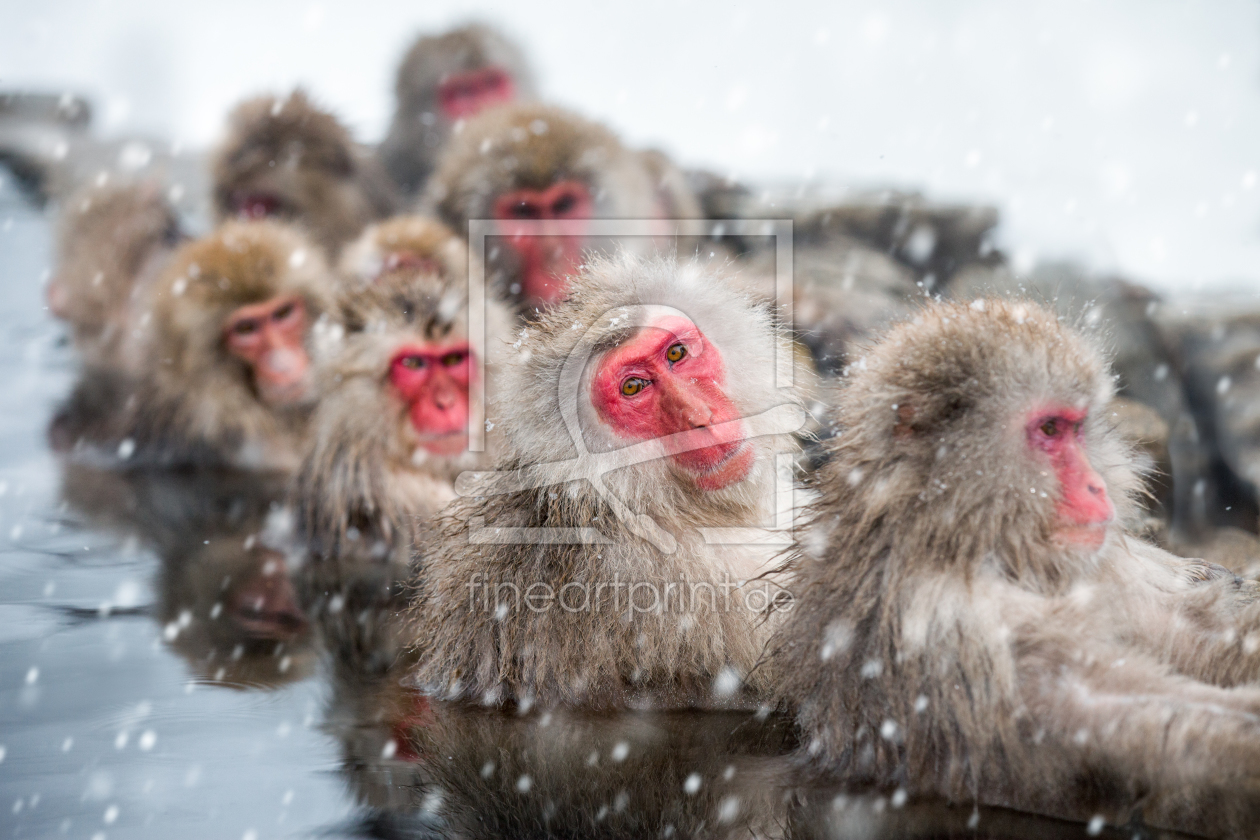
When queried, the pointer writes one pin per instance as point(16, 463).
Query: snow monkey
point(530, 165)
point(112, 241)
point(643, 430)
point(972, 619)
point(442, 80)
point(285, 158)
point(391, 431)
point(235, 318)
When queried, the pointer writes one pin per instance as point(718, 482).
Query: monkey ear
point(904, 427)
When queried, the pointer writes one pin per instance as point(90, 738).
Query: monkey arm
point(1124, 720)
point(1194, 615)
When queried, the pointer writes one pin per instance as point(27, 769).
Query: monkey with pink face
point(972, 619)
point(622, 553)
point(391, 431)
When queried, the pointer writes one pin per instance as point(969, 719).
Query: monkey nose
point(58, 298)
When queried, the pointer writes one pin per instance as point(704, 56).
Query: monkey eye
point(633, 385)
point(525, 210)
point(245, 326)
point(453, 359)
point(284, 311)
point(563, 204)
point(415, 362)
point(1050, 428)
point(676, 353)
point(1076, 427)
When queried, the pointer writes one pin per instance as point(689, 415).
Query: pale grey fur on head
point(543, 393)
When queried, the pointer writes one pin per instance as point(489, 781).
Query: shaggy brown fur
point(365, 470)
point(532, 147)
point(198, 402)
point(112, 241)
point(698, 648)
point(419, 131)
point(304, 162)
point(943, 642)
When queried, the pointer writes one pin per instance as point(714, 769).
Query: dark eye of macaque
point(526, 210)
point(413, 362)
point(668, 379)
point(270, 338)
point(245, 326)
point(552, 251)
point(433, 380)
point(1084, 509)
point(463, 95)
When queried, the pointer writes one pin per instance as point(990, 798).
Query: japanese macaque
point(392, 429)
point(235, 319)
point(542, 174)
point(644, 434)
point(112, 241)
point(971, 618)
point(285, 158)
point(442, 80)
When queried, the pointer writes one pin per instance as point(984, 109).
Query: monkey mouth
point(257, 205)
point(718, 466)
point(446, 443)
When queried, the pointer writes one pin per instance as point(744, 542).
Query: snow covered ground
point(1122, 133)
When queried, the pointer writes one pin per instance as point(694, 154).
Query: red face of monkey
point(433, 379)
point(269, 337)
point(668, 379)
point(546, 257)
point(1083, 510)
point(463, 95)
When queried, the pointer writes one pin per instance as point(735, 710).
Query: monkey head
point(443, 80)
point(236, 312)
point(541, 174)
point(109, 235)
point(657, 358)
point(287, 159)
point(391, 430)
point(407, 305)
point(458, 74)
point(985, 424)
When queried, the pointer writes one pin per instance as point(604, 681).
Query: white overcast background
point(1125, 135)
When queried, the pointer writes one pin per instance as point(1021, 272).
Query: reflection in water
point(227, 603)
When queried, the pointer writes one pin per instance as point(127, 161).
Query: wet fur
point(111, 242)
point(600, 657)
point(360, 471)
point(503, 149)
point(197, 401)
point(942, 642)
point(290, 148)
